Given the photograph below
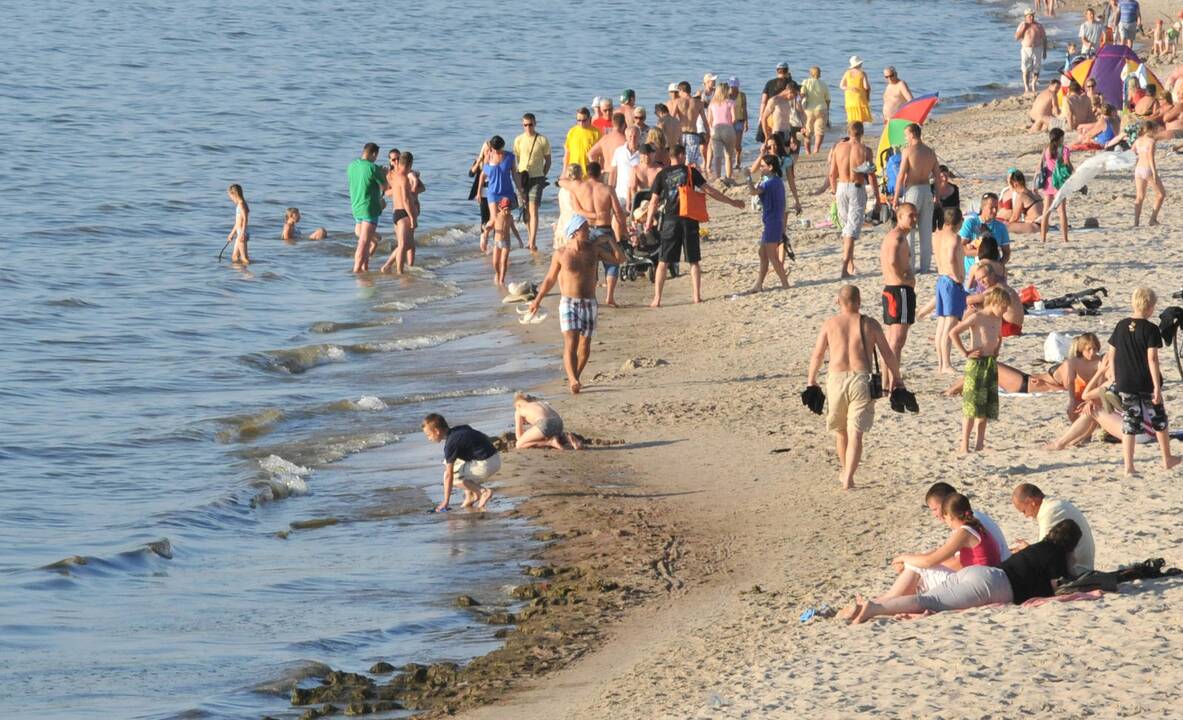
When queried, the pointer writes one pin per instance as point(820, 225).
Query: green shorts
point(979, 394)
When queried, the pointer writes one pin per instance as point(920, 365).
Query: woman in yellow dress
point(858, 92)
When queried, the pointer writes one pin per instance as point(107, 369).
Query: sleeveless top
point(986, 552)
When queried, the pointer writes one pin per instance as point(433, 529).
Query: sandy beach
point(743, 480)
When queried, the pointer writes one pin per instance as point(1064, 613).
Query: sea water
point(167, 418)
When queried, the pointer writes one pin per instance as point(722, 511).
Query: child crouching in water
point(979, 393)
point(469, 454)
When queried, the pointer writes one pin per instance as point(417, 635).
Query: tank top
point(985, 553)
point(723, 113)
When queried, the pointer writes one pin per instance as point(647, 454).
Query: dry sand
point(706, 430)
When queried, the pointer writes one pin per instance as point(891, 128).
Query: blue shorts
point(594, 235)
point(950, 298)
point(372, 221)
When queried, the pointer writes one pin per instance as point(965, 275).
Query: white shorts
point(1028, 61)
point(477, 470)
point(931, 578)
point(852, 208)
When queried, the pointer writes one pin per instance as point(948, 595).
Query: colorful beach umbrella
point(916, 111)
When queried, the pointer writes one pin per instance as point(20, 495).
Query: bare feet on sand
point(575, 387)
point(485, 495)
point(1171, 462)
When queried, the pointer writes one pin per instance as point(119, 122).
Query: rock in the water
point(466, 601)
point(381, 668)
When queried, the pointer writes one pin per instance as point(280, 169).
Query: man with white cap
point(772, 88)
point(1032, 50)
point(574, 267)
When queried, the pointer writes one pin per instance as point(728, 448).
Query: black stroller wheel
point(674, 272)
point(652, 274)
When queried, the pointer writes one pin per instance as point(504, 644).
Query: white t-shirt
point(624, 161)
point(1051, 512)
point(1090, 32)
point(995, 532)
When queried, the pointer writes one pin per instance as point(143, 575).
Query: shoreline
point(648, 550)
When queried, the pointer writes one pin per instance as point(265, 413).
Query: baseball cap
point(673, 87)
point(573, 225)
point(782, 66)
point(627, 95)
point(709, 77)
point(733, 81)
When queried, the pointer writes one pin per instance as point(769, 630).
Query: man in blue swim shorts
point(950, 304)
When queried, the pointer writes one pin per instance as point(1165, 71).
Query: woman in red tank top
point(968, 544)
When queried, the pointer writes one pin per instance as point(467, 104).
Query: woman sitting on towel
point(1029, 573)
point(546, 427)
point(968, 545)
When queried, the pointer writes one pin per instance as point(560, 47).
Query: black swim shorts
point(1134, 406)
point(899, 305)
point(677, 235)
point(399, 214)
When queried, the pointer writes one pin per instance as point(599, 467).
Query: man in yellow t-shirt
point(580, 140)
point(533, 153)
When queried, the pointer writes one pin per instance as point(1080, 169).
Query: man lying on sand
point(546, 427)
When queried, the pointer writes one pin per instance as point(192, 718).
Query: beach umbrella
point(916, 111)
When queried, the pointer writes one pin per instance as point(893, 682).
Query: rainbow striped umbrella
point(916, 111)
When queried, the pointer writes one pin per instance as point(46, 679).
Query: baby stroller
point(643, 247)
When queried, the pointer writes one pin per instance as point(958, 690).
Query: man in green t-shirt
point(366, 185)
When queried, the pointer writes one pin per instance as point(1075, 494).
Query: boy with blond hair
point(979, 393)
point(1138, 378)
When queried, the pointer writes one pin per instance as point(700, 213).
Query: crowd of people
point(629, 181)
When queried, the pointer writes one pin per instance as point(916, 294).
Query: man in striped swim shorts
point(574, 267)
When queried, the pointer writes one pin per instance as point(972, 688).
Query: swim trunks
point(979, 393)
point(852, 209)
point(400, 214)
point(693, 144)
point(550, 426)
point(899, 305)
point(372, 221)
point(477, 470)
point(578, 315)
point(1009, 329)
point(1127, 31)
point(533, 190)
point(1028, 61)
point(1134, 406)
point(950, 298)
point(597, 233)
point(850, 405)
point(676, 235)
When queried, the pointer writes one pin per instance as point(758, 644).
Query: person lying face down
point(1029, 573)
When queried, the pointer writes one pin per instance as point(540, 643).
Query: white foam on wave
point(369, 402)
point(411, 343)
point(285, 477)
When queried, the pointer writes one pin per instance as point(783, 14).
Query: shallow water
point(165, 416)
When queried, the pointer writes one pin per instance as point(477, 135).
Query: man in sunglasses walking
point(532, 150)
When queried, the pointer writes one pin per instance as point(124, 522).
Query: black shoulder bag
point(872, 361)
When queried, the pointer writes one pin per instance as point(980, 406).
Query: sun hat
point(573, 225)
point(855, 61)
point(733, 81)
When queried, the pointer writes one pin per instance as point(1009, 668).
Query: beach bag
point(1055, 347)
point(1062, 172)
point(692, 204)
point(1029, 296)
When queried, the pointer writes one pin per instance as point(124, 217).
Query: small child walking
point(468, 455)
point(979, 393)
point(240, 233)
point(1138, 377)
